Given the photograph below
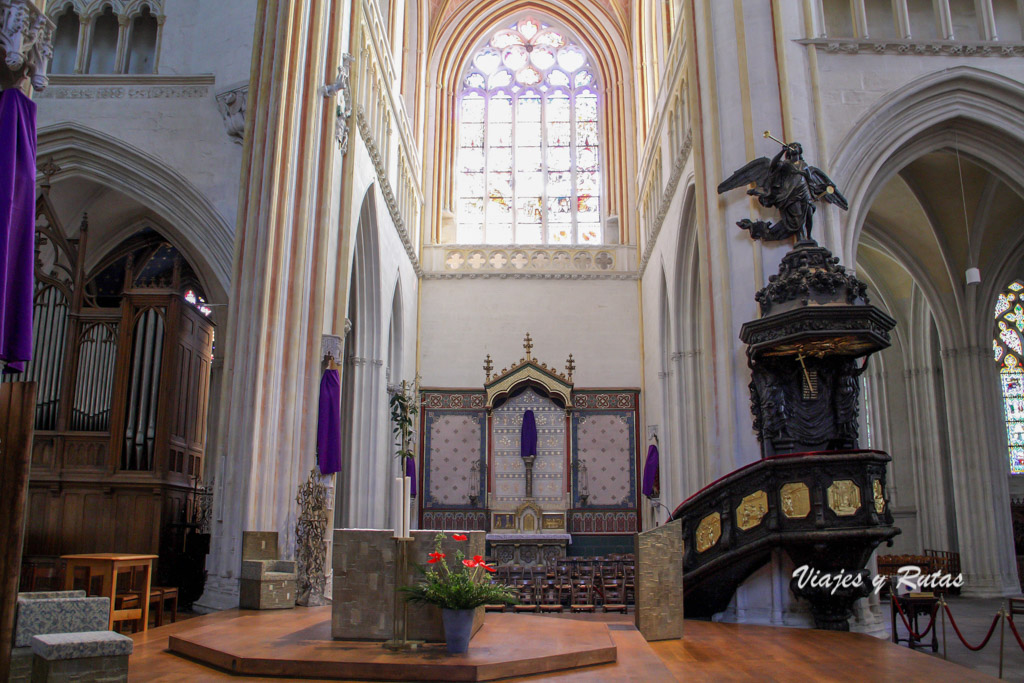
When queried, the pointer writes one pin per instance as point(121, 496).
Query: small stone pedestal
point(100, 656)
point(266, 582)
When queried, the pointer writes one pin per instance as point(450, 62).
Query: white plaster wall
point(595, 320)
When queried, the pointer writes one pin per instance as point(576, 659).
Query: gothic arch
point(364, 390)
point(904, 149)
point(990, 101)
point(189, 219)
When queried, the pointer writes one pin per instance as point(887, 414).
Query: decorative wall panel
point(604, 461)
point(454, 520)
point(453, 441)
point(602, 522)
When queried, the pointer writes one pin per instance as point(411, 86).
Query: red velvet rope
point(991, 630)
point(1014, 630)
point(906, 623)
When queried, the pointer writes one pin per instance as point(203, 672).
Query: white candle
point(397, 496)
point(406, 505)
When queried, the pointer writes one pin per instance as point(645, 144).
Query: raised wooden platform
point(708, 652)
point(298, 644)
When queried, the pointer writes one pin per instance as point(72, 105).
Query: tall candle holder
point(403, 538)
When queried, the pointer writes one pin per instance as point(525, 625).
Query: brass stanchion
point(1002, 631)
point(942, 606)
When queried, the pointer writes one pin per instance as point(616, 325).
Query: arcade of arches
point(222, 218)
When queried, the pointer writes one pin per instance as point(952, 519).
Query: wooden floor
point(708, 652)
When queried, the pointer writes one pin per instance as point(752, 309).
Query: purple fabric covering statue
point(410, 471)
point(328, 428)
point(652, 474)
point(17, 226)
point(528, 437)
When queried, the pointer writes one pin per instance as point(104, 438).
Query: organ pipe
point(49, 323)
point(140, 427)
point(96, 361)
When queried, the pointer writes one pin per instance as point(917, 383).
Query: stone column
point(288, 207)
point(979, 466)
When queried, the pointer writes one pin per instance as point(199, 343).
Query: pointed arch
point(189, 219)
point(594, 26)
point(364, 459)
point(983, 102)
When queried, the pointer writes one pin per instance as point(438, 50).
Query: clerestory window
point(529, 156)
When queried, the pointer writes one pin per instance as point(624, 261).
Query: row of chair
point(579, 584)
point(932, 561)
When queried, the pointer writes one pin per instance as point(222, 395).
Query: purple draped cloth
point(528, 437)
point(652, 479)
point(328, 428)
point(410, 471)
point(17, 226)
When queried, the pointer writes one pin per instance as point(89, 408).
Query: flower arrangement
point(467, 588)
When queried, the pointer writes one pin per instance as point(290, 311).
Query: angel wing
point(820, 184)
point(754, 172)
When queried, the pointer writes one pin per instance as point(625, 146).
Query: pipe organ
point(122, 363)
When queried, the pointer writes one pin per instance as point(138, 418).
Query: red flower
point(435, 557)
point(470, 563)
point(459, 537)
point(486, 566)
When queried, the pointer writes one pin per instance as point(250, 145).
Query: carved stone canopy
point(528, 371)
point(26, 44)
point(815, 307)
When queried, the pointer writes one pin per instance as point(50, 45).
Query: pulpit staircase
point(825, 509)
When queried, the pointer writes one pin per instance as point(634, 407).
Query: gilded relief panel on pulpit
point(796, 500)
point(751, 510)
point(844, 497)
point(709, 531)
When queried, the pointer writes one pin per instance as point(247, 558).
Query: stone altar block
point(364, 583)
point(529, 550)
point(659, 582)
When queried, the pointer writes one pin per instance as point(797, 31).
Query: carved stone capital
point(26, 44)
point(231, 103)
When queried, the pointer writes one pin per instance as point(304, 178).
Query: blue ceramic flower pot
point(458, 627)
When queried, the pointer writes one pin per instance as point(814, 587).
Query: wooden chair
point(160, 595)
point(582, 597)
point(41, 573)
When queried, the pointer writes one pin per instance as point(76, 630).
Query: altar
point(528, 550)
point(529, 459)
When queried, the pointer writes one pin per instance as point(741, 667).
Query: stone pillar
point(288, 207)
point(979, 465)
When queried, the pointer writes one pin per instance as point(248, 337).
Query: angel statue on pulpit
point(785, 182)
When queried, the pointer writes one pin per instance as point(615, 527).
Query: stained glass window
point(198, 301)
point(1007, 350)
point(529, 160)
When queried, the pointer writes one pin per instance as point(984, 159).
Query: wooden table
point(107, 565)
